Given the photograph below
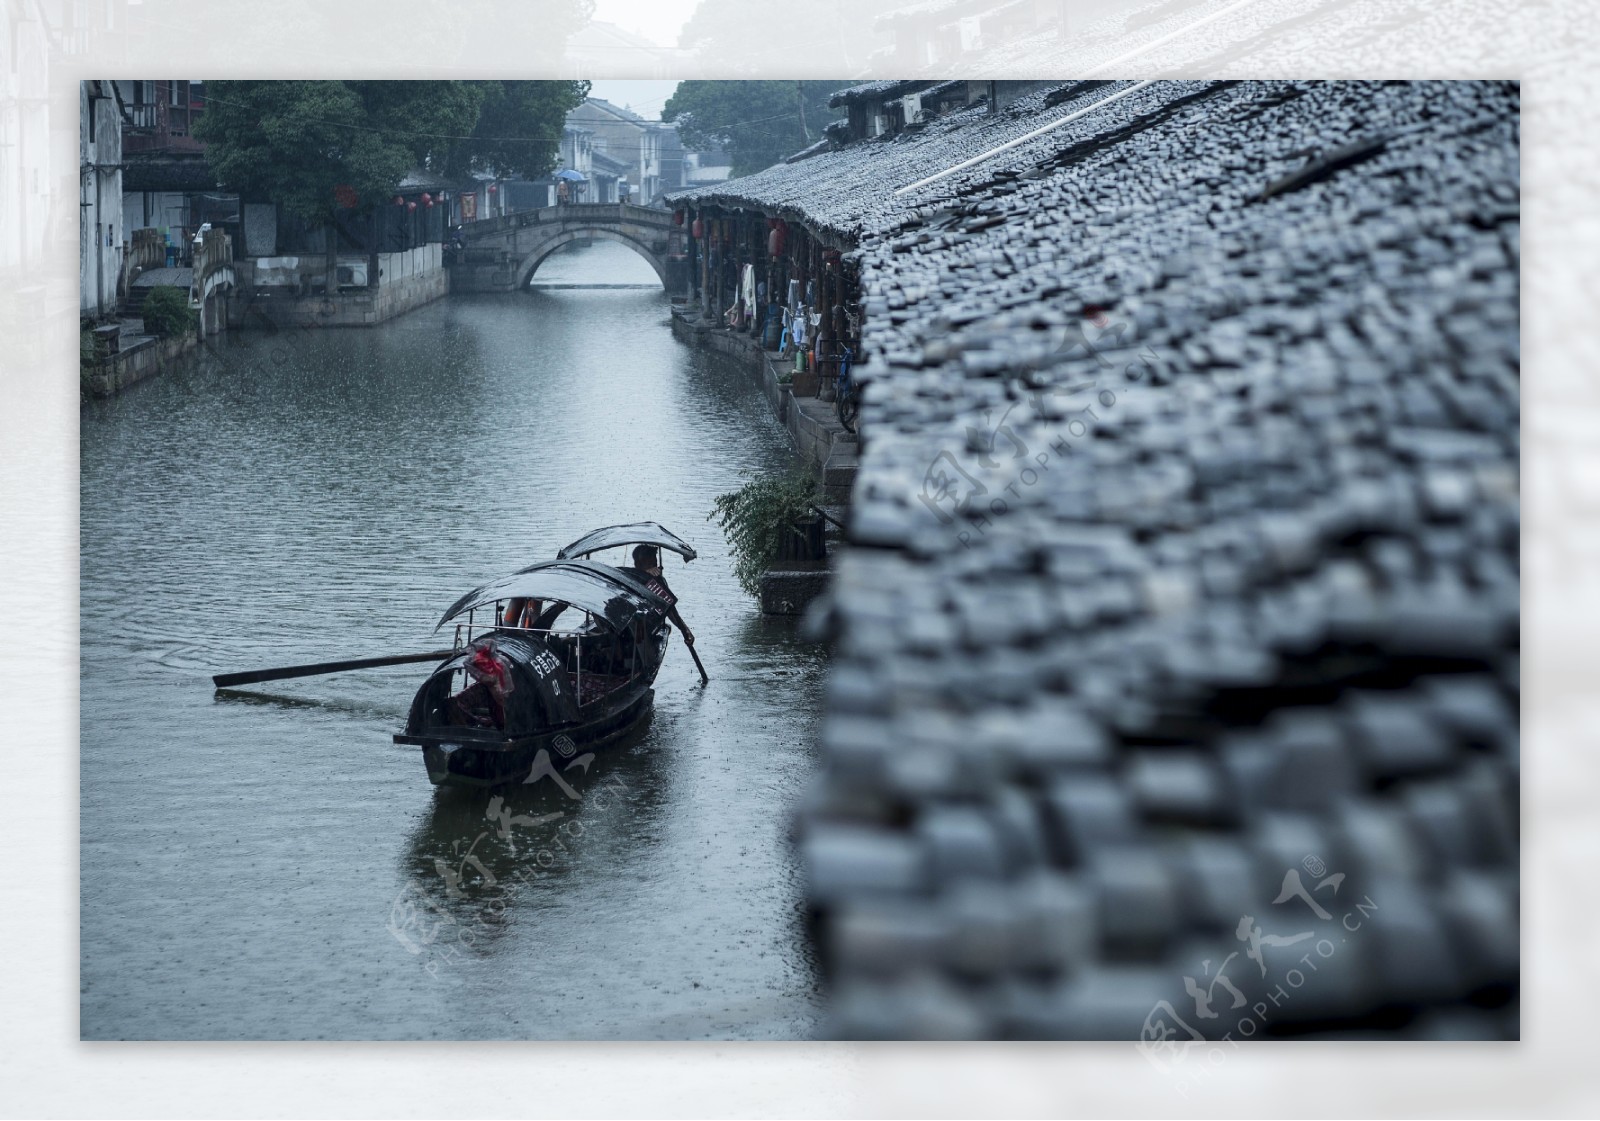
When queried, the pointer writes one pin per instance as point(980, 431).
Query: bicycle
point(844, 392)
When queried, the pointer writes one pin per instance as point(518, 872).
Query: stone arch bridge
point(501, 254)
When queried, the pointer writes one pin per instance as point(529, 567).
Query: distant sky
point(644, 97)
point(656, 20)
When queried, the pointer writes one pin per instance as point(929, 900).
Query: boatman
point(647, 563)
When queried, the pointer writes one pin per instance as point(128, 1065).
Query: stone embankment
point(821, 442)
point(1177, 679)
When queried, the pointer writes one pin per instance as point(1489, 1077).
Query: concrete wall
point(138, 362)
point(818, 437)
point(788, 587)
point(406, 280)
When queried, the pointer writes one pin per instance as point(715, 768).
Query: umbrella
point(569, 174)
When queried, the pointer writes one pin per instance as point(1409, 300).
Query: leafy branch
point(755, 517)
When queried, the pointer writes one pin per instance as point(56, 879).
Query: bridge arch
point(531, 262)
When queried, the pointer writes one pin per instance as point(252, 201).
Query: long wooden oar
point(697, 665)
point(224, 680)
point(689, 646)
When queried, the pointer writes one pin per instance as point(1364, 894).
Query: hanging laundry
point(747, 290)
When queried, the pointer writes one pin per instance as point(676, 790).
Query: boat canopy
point(585, 584)
point(635, 533)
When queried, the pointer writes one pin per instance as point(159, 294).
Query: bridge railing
point(566, 212)
point(146, 250)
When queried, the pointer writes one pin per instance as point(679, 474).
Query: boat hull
point(485, 762)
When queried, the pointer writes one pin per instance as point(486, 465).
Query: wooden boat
point(575, 677)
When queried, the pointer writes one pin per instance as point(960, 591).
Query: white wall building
point(622, 135)
point(100, 232)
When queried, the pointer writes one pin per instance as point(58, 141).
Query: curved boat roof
point(585, 584)
point(634, 533)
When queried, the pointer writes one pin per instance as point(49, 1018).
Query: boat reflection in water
point(483, 859)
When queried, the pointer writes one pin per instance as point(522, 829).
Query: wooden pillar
point(741, 242)
point(825, 339)
point(705, 261)
point(772, 267)
point(719, 283)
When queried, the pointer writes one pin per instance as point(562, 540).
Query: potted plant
point(768, 519)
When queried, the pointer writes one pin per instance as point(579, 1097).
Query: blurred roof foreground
point(1199, 720)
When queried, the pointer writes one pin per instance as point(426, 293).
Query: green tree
point(313, 147)
point(757, 123)
point(308, 145)
point(519, 127)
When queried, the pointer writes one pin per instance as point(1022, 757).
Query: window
point(178, 108)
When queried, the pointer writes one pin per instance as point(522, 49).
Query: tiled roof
point(1183, 602)
point(868, 91)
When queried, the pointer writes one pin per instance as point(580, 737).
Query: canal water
point(267, 864)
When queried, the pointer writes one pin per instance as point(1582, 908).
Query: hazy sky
point(644, 97)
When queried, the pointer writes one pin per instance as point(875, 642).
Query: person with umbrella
point(569, 184)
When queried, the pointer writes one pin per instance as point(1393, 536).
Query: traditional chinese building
point(625, 137)
point(1175, 676)
point(167, 184)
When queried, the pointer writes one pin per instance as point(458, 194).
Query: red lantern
point(493, 188)
point(398, 201)
point(410, 206)
point(775, 241)
point(696, 230)
point(427, 199)
point(677, 217)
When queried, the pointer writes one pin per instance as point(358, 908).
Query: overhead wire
point(209, 97)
